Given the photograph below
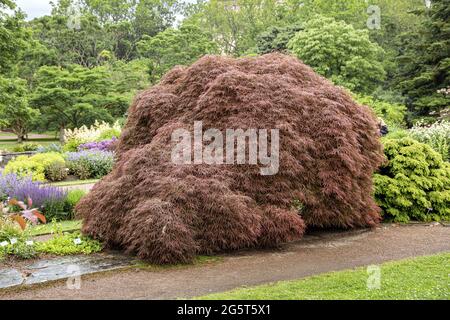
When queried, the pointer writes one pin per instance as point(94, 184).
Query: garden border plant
point(414, 182)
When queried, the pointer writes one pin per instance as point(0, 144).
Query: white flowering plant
point(99, 131)
point(437, 135)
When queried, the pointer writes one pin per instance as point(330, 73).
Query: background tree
point(70, 45)
point(71, 97)
point(339, 52)
point(15, 114)
point(13, 37)
point(235, 24)
point(424, 63)
point(173, 47)
point(276, 39)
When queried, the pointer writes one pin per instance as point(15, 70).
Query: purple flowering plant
point(22, 189)
point(105, 145)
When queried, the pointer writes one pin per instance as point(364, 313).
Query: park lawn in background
point(418, 278)
point(74, 183)
point(8, 145)
point(64, 226)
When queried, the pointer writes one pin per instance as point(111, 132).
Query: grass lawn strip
point(418, 278)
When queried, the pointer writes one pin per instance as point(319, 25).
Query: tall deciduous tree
point(15, 114)
point(339, 52)
point(13, 37)
point(236, 24)
point(173, 47)
point(71, 97)
point(276, 39)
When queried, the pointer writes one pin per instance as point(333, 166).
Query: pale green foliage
point(74, 196)
point(339, 52)
point(9, 229)
point(60, 244)
point(235, 25)
point(64, 244)
point(414, 184)
point(437, 135)
point(36, 166)
point(23, 166)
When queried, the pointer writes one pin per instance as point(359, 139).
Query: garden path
point(317, 253)
point(84, 187)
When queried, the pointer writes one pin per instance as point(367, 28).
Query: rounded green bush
point(24, 166)
point(73, 197)
point(56, 171)
point(72, 145)
point(414, 183)
point(109, 134)
point(25, 147)
point(37, 166)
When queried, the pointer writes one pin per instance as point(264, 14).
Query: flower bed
point(53, 202)
point(90, 164)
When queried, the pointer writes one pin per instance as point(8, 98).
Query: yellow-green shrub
point(24, 166)
point(414, 184)
point(35, 166)
point(48, 158)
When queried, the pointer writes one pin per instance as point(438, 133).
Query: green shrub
point(72, 144)
point(108, 134)
point(56, 171)
point(81, 170)
point(20, 250)
point(74, 196)
point(396, 133)
point(36, 166)
point(26, 147)
point(414, 184)
point(53, 147)
point(61, 244)
point(56, 209)
point(48, 158)
point(89, 164)
point(64, 244)
point(24, 166)
point(9, 229)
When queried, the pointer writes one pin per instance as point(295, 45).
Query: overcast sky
point(35, 8)
point(38, 8)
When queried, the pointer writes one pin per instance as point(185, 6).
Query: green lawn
point(74, 183)
point(10, 144)
point(64, 226)
point(419, 278)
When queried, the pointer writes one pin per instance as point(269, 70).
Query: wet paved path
point(61, 268)
point(316, 253)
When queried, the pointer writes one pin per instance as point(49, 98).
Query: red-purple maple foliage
point(168, 213)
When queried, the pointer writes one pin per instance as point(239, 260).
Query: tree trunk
point(61, 134)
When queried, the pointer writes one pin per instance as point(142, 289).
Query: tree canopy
point(88, 58)
point(338, 51)
point(424, 63)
